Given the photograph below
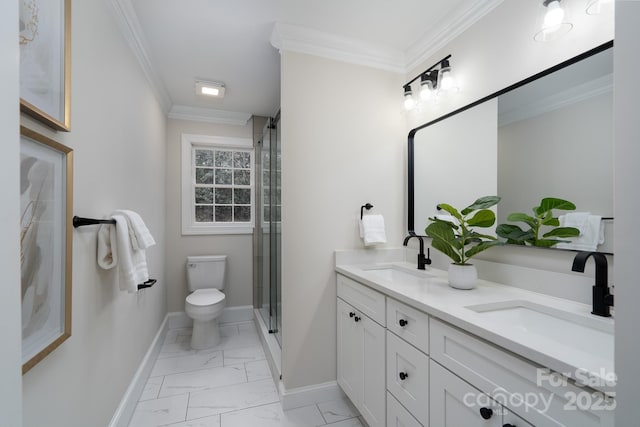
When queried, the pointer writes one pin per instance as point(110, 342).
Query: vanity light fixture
point(427, 85)
point(595, 7)
point(553, 21)
point(409, 102)
point(209, 89)
point(434, 80)
point(445, 77)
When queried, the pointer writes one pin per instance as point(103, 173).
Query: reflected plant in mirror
point(543, 219)
point(452, 234)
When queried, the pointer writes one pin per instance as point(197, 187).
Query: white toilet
point(204, 304)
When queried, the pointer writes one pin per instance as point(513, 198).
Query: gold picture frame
point(45, 61)
point(46, 203)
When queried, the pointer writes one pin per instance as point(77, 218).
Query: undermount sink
point(589, 334)
point(393, 273)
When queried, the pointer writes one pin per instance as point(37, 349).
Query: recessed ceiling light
point(209, 89)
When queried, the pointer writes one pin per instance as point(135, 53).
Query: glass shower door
point(269, 275)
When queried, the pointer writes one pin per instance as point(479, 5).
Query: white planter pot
point(463, 276)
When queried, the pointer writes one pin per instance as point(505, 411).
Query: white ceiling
point(179, 41)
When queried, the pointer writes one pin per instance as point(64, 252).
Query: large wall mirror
point(550, 135)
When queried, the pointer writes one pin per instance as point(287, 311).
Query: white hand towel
point(575, 219)
point(114, 249)
point(140, 235)
point(372, 229)
point(591, 235)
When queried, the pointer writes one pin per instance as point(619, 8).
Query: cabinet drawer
point(408, 323)
point(368, 301)
point(397, 415)
point(515, 382)
point(408, 376)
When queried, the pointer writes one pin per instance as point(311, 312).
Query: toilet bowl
point(205, 277)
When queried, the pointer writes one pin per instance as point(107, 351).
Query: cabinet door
point(349, 353)
point(509, 419)
point(408, 376)
point(373, 365)
point(455, 403)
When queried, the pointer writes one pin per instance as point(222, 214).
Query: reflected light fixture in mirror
point(433, 81)
point(596, 7)
point(553, 21)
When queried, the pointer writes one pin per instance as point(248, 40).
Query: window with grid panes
point(221, 186)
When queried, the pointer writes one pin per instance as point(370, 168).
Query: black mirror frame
point(412, 132)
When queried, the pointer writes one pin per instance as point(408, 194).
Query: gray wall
point(118, 137)
point(10, 354)
point(627, 206)
point(237, 247)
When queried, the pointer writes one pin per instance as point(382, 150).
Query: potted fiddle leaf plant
point(455, 236)
point(541, 221)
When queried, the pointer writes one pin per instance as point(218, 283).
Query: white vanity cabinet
point(402, 367)
point(456, 403)
point(516, 382)
point(361, 349)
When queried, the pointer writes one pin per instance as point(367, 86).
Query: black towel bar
point(80, 222)
point(149, 283)
point(367, 207)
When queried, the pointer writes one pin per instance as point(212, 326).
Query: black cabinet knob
point(351, 314)
point(486, 413)
point(403, 323)
point(357, 319)
point(403, 376)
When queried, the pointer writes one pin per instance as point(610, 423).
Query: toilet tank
point(206, 272)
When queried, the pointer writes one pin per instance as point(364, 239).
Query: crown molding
point(208, 115)
point(573, 95)
point(454, 24)
point(286, 37)
point(131, 30)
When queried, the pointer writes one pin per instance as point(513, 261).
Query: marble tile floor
point(229, 385)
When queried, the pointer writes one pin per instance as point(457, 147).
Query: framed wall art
point(46, 202)
point(45, 61)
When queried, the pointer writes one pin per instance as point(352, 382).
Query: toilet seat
point(205, 297)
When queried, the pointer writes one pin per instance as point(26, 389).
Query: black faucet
point(422, 259)
point(602, 298)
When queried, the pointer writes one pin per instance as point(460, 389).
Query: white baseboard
point(241, 313)
point(127, 405)
point(303, 396)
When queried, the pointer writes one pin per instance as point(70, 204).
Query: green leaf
point(481, 247)
point(453, 211)
point(446, 249)
point(549, 203)
point(513, 233)
point(482, 203)
point(484, 218)
point(546, 243)
point(443, 230)
point(563, 232)
point(551, 221)
point(522, 217)
point(478, 236)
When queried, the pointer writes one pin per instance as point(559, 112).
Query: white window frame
point(189, 144)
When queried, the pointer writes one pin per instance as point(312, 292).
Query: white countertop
point(592, 364)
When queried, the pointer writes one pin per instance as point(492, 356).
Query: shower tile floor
point(229, 385)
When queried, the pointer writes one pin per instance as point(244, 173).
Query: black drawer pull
point(403, 376)
point(357, 319)
point(486, 413)
point(351, 314)
point(403, 323)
